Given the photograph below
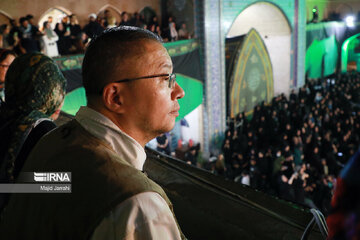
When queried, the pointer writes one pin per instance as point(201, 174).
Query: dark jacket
point(100, 181)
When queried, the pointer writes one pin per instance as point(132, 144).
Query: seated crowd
point(68, 37)
point(295, 147)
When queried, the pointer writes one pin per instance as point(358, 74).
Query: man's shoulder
point(59, 133)
point(71, 139)
point(68, 132)
point(72, 147)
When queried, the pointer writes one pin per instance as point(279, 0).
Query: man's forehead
point(153, 47)
point(155, 53)
point(147, 57)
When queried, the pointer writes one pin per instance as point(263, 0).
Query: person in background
point(35, 90)
point(220, 165)
point(111, 22)
point(93, 28)
point(50, 39)
point(52, 23)
point(107, 15)
point(77, 45)
point(14, 40)
point(245, 178)
point(138, 20)
point(158, 31)
point(172, 29)
point(152, 28)
point(191, 156)
point(163, 144)
point(125, 20)
point(35, 29)
point(6, 58)
point(166, 35)
point(153, 24)
point(183, 32)
point(5, 41)
point(101, 21)
point(64, 42)
point(66, 22)
point(75, 29)
point(28, 35)
point(30, 19)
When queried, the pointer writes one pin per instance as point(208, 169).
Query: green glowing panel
point(193, 94)
point(331, 55)
point(74, 100)
point(321, 57)
point(313, 59)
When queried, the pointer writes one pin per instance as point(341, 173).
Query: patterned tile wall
point(301, 44)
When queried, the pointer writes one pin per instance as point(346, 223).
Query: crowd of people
point(68, 37)
point(295, 147)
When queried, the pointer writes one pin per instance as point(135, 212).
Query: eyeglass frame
point(171, 76)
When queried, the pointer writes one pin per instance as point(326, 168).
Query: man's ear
point(113, 97)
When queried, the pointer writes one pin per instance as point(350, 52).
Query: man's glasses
point(170, 77)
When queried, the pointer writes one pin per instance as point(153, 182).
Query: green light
point(314, 10)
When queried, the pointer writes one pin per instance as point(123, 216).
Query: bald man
point(132, 98)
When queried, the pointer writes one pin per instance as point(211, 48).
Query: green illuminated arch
point(347, 52)
point(251, 81)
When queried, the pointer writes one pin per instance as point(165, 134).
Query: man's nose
point(177, 92)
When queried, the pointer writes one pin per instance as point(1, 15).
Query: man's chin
point(167, 128)
point(172, 125)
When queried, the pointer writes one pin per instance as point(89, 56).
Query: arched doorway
point(113, 12)
point(57, 13)
point(350, 54)
point(251, 74)
point(275, 31)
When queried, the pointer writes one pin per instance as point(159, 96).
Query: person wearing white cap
point(93, 28)
point(93, 16)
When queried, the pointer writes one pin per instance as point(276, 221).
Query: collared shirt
point(143, 216)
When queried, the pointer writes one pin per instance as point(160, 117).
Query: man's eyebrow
point(165, 64)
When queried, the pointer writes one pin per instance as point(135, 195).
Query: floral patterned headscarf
point(35, 89)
